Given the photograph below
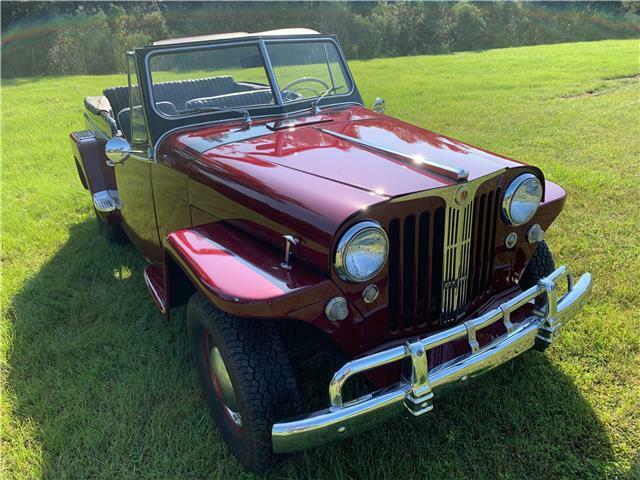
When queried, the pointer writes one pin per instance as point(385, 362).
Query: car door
point(133, 177)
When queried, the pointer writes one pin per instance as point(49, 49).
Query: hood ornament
point(454, 173)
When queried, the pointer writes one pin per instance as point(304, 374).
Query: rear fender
point(241, 275)
point(87, 148)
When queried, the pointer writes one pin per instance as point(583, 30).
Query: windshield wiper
point(314, 104)
point(246, 117)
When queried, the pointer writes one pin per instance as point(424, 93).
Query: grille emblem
point(462, 195)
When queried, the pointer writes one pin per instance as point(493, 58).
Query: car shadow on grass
point(101, 386)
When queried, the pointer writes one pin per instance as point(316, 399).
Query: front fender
point(243, 276)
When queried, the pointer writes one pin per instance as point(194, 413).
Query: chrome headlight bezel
point(347, 239)
point(509, 195)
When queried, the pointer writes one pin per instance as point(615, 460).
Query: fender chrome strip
point(455, 173)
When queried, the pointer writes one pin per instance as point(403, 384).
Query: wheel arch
point(239, 274)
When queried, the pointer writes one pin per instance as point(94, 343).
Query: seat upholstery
point(172, 97)
point(118, 98)
point(124, 116)
point(240, 99)
point(178, 92)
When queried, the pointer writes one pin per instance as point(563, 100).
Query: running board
point(107, 201)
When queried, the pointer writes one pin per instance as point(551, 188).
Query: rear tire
point(540, 266)
point(256, 368)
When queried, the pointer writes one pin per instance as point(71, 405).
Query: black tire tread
point(540, 265)
point(263, 378)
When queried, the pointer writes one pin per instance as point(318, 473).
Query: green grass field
point(96, 385)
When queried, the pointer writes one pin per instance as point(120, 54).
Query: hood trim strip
point(455, 173)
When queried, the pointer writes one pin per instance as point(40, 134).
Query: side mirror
point(378, 105)
point(117, 150)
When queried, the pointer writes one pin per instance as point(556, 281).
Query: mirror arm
point(378, 105)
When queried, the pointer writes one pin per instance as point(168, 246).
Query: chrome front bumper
point(342, 419)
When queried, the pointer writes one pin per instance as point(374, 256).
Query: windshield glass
point(186, 81)
point(308, 70)
point(189, 81)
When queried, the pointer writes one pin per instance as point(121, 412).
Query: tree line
point(63, 38)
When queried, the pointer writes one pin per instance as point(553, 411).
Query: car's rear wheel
point(540, 266)
point(246, 377)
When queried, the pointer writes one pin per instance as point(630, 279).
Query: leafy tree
point(92, 37)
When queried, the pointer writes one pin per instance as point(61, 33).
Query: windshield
point(308, 70)
point(189, 81)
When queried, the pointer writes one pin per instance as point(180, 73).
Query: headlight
point(521, 200)
point(362, 252)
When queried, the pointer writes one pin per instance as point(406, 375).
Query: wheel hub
point(223, 385)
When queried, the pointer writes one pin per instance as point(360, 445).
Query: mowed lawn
point(96, 385)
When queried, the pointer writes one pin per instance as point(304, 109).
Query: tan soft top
point(233, 35)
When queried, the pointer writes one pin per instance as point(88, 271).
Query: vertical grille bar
point(409, 268)
point(483, 247)
point(437, 256)
point(394, 274)
point(425, 245)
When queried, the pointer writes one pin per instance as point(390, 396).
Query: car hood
point(300, 178)
point(363, 154)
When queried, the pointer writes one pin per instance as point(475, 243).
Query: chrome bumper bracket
point(416, 394)
point(419, 401)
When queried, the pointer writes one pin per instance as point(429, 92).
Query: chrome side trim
point(416, 394)
point(107, 201)
point(455, 173)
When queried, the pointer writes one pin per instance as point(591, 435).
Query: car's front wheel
point(246, 377)
point(541, 265)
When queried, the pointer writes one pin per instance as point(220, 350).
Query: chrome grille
point(441, 254)
point(457, 254)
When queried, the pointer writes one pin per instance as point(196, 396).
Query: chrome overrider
point(416, 394)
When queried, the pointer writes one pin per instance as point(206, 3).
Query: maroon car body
point(208, 201)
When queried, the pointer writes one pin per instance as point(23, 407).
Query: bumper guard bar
point(343, 419)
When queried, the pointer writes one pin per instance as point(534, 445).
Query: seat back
point(118, 98)
point(240, 99)
point(172, 97)
point(178, 92)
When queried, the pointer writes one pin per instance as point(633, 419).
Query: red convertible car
point(292, 220)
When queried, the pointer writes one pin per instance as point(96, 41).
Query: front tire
point(540, 266)
point(246, 378)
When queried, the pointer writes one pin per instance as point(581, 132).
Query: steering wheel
point(303, 80)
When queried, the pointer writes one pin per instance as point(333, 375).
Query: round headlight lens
point(521, 200)
point(362, 252)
